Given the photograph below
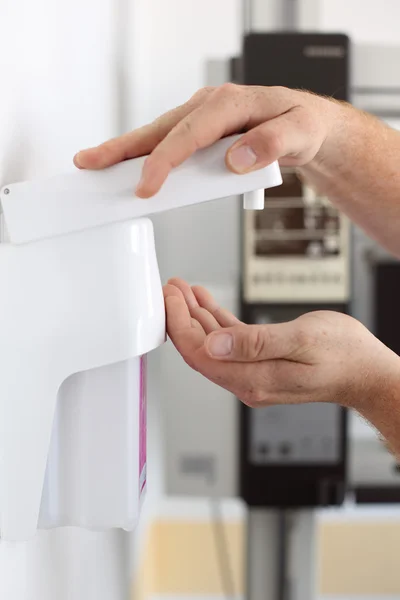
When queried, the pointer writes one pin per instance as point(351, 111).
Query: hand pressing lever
point(346, 154)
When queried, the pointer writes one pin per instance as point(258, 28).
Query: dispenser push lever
point(85, 199)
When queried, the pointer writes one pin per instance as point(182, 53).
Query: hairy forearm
point(379, 400)
point(358, 168)
point(384, 415)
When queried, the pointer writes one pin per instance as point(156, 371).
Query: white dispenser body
point(96, 468)
point(77, 315)
point(80, 307)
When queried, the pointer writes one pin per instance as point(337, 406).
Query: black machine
point(295, 259)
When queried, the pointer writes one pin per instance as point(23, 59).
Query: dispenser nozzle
point(254, 200)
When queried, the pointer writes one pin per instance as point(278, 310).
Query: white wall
point(58, 78)
point(57, 95)
point(366, 21)
point(173, 40)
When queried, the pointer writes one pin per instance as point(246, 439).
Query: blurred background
point(286, 503)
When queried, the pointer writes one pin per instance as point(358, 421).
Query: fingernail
point(80, 155)
point(220, 344)
point(242, 158)
point(139, 186)
point(142, 181)
point(77, 160)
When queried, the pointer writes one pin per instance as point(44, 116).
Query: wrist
point(332, 167)
point(339, 120)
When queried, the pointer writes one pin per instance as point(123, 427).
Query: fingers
point(254, 343)
point(203, 307)
point(226, 338)
point(185, 334)
point(228, 109)
point(208, 116)
point(197, 325)
point(206, 300)
point(291, 136)
point(188, 337)
point(117, 150)
point(197, 312)
point(185, 290)
point(255, 383)
point(189, 135)
point(139, 142)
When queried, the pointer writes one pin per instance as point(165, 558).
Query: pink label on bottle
point(143, 424)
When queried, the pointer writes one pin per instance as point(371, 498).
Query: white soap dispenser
point(81, 306)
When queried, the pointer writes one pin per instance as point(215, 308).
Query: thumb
point(252, 343)
point(285, 136)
